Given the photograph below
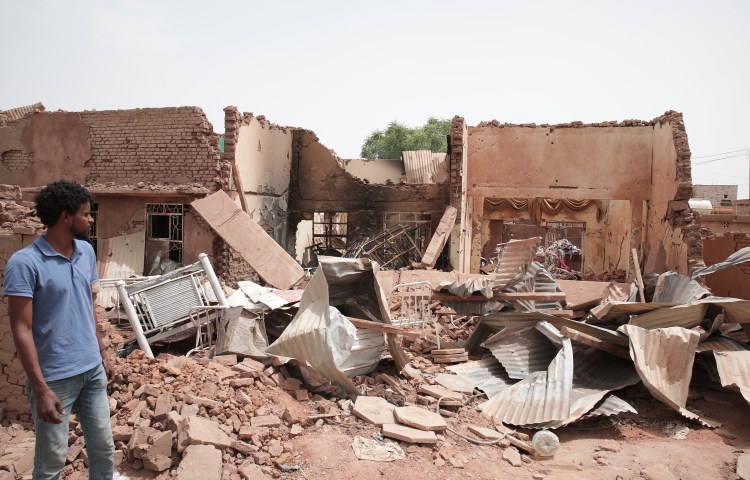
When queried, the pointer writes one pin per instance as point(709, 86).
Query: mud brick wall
point(153, 144)
point(13, 400)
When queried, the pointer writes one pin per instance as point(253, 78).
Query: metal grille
point(167, 303)
point(165, 222)
point(330, 229)
point(92, 228)
point(421, 222)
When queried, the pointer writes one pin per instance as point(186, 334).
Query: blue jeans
point(87, 393)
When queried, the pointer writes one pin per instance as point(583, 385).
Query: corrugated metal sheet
point(672, 287)
point(536, 279)
point(119, 258)
point(734, 368)
point(735, 310)
point(664, 360)
point(615, 292)
point(321, 336)
point(720, 343)
point(514, 262)
point(473, 308)
point(522, 350)
point(613, 310)
point(469, 286)
point(686, 316)
point(611, 406)
point(541, 397)
point(488, 375)
point(424, 166)
point(740, 256)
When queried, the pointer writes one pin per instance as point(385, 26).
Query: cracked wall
point(262, 152)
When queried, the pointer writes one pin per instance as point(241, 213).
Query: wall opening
point(164, 234)
point(92, 229)
point(330, 232)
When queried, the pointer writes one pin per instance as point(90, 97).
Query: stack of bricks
point(159, 145)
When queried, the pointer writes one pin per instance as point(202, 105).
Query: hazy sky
point(344, 69)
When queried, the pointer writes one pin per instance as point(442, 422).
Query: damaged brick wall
point(320, 183)
point(19, 227)
point(155, 145)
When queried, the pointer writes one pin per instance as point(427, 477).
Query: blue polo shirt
point(62, 324)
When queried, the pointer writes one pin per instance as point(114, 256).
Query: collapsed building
point(166, 191)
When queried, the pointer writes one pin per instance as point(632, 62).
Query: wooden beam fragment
point(437, 242)
point(383, 327)
point(499, 296)
point(638, 277)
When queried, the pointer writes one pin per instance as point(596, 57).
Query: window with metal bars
point(92, 228)
point(164, 223)
point(330, 230)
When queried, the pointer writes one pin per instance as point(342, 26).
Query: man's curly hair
point(60, 196)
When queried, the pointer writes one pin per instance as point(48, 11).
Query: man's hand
point(48, 406)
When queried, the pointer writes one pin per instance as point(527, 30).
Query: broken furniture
point(414, 300)
point(173, 304)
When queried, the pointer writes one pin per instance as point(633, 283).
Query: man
point(48, 287)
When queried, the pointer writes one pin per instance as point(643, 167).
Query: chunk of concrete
point(265, 421)
point(375, 410)
point(163, 406)
point(436, 391)
point(420, 418)
point(250, 471)
point(408, 434)
point(200, 462)
point(201, 431)
point(485, 433)
point(512, 456)
point(743, 467)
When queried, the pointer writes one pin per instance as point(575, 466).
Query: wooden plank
point(238, 229)
point(437, 242)
point(383, 327)
point(119, 257)
point(562, 313)
point(450, 358)
point(448, 351)
point(638, 277)
point(581, 337)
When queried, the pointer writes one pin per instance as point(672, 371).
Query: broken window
point(329, 231)
point(164, 226)
point(563, 241)
point(92, 228)
point(410, 219)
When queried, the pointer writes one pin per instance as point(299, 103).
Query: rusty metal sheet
point(613, 310)
point(671, 287)
point(522, 350)
point(542, 396)
point(488, 375)
point(686, 316)
point(515, 259)
point(664, 360)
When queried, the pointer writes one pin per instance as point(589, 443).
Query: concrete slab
point(200, 431)
point(201, 462)
point(408, 434)
point(375, 410)
point(454, 383)
point(265, 421)
point(259, 249)
point(485, 433)
point(420, 418)
point(436, 391)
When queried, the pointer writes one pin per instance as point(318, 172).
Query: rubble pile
point(17, 215)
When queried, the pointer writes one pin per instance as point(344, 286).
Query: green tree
point(389, 143)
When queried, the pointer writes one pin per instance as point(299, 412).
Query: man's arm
point(47, 403)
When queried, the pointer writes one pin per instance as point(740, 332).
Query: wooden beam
point(638, 277)
point(581, 337)
point(383, 327)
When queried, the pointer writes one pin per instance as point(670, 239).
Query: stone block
point(265, 421)
point(200, 431)
point(250, 471)
point(163, 406)
point(420, 418)
point(408, 434)
point(375, 410)
point(200, 462)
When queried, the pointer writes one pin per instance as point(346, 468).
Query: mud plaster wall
point(263, 156)
point(721, 224)
point(715, 193)
point(158, 145)
point(607, 241)
point(670, 224)
point(121, 215)
point(547, 162)
point(319, 183)
point(732, 281)
point(460, 239)
point(376, 171)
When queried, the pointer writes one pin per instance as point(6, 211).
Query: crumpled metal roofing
point(522, 350)
point(424, 166)
point(469, 286)
point(515, 261)
point(734, 370)
point(613, 310)
point(720, 343)
point(740, 256)
point(664, 360)
point(488, 375)
point(610, 406)
point(536, 279)
point(686, 316)
point(671, 287)
point(542, 396)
